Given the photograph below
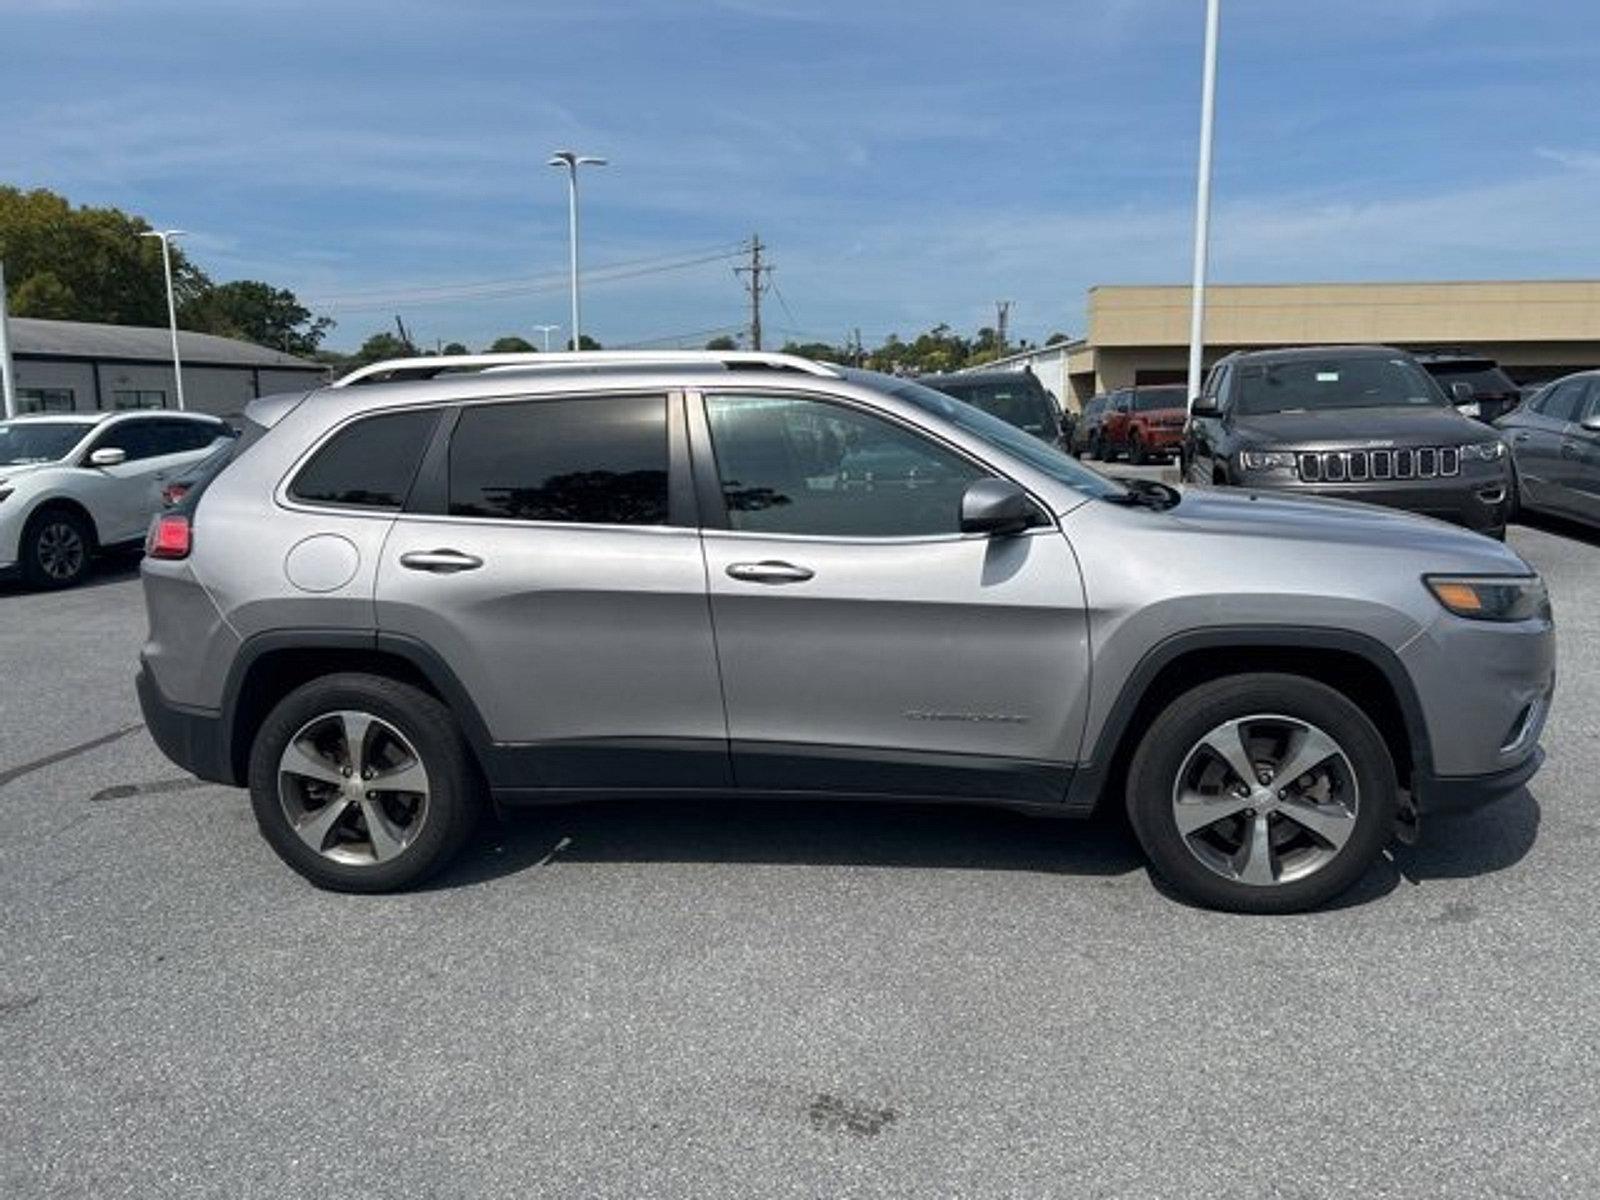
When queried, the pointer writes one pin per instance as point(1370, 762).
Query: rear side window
point(600, 461)
point(369, 464)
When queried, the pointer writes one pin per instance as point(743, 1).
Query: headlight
point(1484, 451)
point(1266, 460)
point(1491, 597)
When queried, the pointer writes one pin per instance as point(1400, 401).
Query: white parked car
point(75, 484)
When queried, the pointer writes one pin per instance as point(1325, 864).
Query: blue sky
point(906, 163)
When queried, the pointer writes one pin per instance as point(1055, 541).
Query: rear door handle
point(1519, 437)
point(440, 562)
point(770, 571)
point(1569, 449)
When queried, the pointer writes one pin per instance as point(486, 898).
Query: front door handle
point(1569, 449)
point(770, 571)
point(1519, 438)
point(440, 562)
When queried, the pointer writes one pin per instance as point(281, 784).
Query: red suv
point(1143, 423)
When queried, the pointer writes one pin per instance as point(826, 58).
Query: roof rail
point(395, 369)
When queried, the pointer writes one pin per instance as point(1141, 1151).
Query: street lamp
point(166, 236)
point(571, 160)
point(1202, 203)
point(546, 330)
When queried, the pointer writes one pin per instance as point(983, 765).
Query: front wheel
point(56, 549)
point(1262, 793)
point(363, 784)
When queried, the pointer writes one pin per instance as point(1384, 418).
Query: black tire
point(1154, 774)
point(1136, 452)
point(47, 536)
point(456, 797)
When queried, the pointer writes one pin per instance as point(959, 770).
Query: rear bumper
point(1436, 795)
point(191, 738)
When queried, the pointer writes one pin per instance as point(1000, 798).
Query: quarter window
point(796, 466)
point(1563, 401)
point(369, 464)
point(600, 461)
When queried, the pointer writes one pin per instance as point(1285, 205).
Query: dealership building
point(74, 366)
point(1536, 330)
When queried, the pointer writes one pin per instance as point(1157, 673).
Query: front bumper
point(191, 738)
point(1438, 795)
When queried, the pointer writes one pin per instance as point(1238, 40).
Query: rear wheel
point(363, 784)
point(1262, 793)
point(56, 548)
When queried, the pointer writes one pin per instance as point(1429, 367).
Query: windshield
point(1040, 455)
point(1314, 384)
point(1153, 399)
point(1014, 403)
point(38, 441)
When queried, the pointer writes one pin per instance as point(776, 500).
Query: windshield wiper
point(1146, 493)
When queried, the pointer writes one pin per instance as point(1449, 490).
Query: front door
point(546, 559)
point(866, 644)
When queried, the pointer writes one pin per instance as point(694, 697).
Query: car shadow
point(112, 567)
point(1559, 526)
point(809, 832)
point(949, 837)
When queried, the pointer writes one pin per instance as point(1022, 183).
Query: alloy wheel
point(353, 788)
point(1265, 799)
point(60, 550)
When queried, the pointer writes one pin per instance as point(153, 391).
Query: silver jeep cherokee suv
point(563, 577)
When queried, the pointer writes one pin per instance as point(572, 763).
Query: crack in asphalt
point(12, 774)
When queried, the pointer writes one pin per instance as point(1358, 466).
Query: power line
point(692, 335)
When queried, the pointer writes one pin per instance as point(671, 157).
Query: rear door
point(866, 644)
point(122, 498)
point(549, 556)
point(1581, 459)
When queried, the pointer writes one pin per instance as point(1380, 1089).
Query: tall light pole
point(1202, 203)
point(572, 160)
point(546, 330)
point(8, 385)
point(166, 236)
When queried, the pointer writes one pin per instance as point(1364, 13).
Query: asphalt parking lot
point(697, 999)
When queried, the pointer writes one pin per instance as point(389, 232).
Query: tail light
point(170, 537)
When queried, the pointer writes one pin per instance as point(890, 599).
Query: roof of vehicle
point(1001, 376)
point(1293, 353)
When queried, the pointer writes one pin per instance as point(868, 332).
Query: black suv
point(1016, 397)
point(1352, 422)
point(1475, 385)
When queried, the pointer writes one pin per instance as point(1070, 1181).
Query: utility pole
point(1002, 313)
point(405, 338)
point(1202, 203)
point(755, 270)
point(8, 385)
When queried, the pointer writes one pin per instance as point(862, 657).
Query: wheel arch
point(271, 665)
point(1359, 667)
point(59, 502)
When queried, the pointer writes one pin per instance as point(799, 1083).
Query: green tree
point(455, 348)
point(86, 264)
point(722, 343)
point(1055, 339)
point(256, 312)
point(585, 343)
point(821, 351)
point(377, 348)
point(511, 345)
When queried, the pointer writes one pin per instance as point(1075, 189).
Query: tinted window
point(1309, 384)
point(1155, 399)
point(1563, 401)
point(1022, 403)
point(803, 466)
point(38, 441)
point(596, 462)
point(369, 464)
point(136, 439)
point(1486, 378)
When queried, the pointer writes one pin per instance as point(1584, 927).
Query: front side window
point(597, 461)
point(369, 463)
point(1563, 401)
point(798, 466)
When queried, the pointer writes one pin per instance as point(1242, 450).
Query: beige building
point(1536, 330)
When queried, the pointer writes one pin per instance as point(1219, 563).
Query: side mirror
point(1462, 392)
point(110, 456)
point(995, 506)
point(1204, 406)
